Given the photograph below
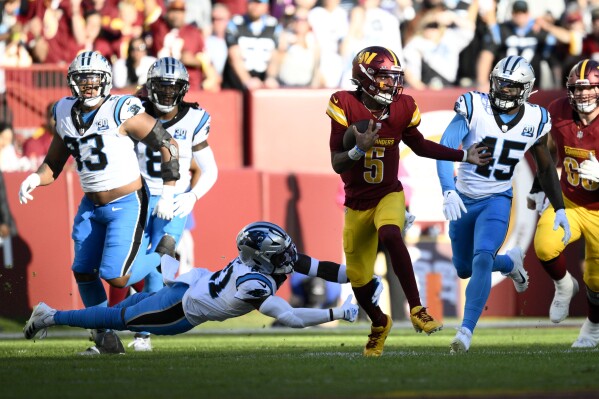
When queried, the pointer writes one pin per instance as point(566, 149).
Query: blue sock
point(142, 266)
point(503, 264)
point(94, 317)
point(478, 289)
point(92, 293)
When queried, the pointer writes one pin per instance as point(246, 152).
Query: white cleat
point(141, 344)
point(461, 341)
point(41, 318)
point(518, 274)
point(565, 289)
point(589, 335)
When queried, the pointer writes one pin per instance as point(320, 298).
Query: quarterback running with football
point(478, 202)
point(189, 125)
point(266, 256)
point(96, 128)
point(575, 141)
point(374, 198)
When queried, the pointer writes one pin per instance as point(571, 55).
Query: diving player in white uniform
point(508, 126)
point(96, 129)
point(189, 125)
point(266, 256)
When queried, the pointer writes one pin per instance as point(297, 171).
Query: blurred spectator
point(10, 161)
point(185, 42)
point(13, 53)
point(253, 40)
point(330, 25)
point(369, 25)
point(300, 59)
point(63, 31)
point(517, 37)
point(432, 56)
point(36, 147)
point(199, 13)
point(216, 45)
point(537, 8)
point(425, 7)
point(132, 71)
point(121, 22)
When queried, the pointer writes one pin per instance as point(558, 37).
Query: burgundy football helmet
point(584, 76)
point(377, 72)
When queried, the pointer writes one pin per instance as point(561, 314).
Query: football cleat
point(376, 339)
point(518, 274)
point(166, 246)
point(41, 318)
point(589, 335)
point(141, 343)
point(565, 289)
point(422, 321)
point(461, 341)
point(107, 342)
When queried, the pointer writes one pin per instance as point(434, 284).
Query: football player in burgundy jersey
point(575, 141)
point(374, 198)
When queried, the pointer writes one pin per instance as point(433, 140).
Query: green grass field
point(244, 358)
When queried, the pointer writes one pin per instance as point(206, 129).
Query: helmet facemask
point(586, 102)
point(167, 83)
point(90, 78)
point(385, 87)
point(507, 95)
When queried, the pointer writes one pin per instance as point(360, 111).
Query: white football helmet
point(267, 248)
point(167, 84)
point(512, 81)
point(90, 68)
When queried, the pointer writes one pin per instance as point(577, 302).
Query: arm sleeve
point(205, 160)
point(279, 309)
point(329, 271)
point(452, 137)
point(429, 149)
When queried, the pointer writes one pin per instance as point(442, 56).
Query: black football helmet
point(378, 73)
point(584, 76)
point(267, 248)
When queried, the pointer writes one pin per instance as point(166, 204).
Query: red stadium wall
point(290, 182)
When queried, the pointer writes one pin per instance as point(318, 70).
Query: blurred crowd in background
point(246, 45)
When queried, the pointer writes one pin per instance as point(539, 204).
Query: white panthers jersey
point(189, 127)
point(507, 141)
point(105, 158)
point(221, 295)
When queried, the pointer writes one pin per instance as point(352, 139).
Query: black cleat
point(106, 343)
point(166, 246)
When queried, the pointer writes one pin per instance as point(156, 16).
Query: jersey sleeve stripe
point(415, 121)
point(337, 114)
point(254, 276)
point(202, 123)
point(469, 106)
point(117, 109)
point(544, 119)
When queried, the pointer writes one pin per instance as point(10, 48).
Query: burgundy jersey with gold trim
point(574, 144)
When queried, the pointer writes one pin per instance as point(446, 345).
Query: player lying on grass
point(266, 255)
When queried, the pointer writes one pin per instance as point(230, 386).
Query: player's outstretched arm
point(279, 309)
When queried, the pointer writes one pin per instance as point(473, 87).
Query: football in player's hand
point(349, 139)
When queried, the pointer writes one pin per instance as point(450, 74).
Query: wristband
point(465, 157)
point(356, 153)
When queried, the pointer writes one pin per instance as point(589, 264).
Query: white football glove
point(350, 311)
point(408, 222)
point(452, 203)
point(589, 169)
point(540, 201)
point(165, 207)
point(562, 220)
point(184, 204)
point(28, 185)
point(378, 289)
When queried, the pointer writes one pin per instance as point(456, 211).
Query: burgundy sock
point(139, 286)
point(401, 262)
point(556, 268)
point(117, 295)
point(364, 298)
point(592, 312)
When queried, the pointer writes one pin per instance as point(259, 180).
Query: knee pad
point(593, 297)
point(85, 277)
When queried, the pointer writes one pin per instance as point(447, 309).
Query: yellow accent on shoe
point(376, 339)
point(422, 321)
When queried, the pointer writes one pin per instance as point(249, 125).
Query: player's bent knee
point(119, 282)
